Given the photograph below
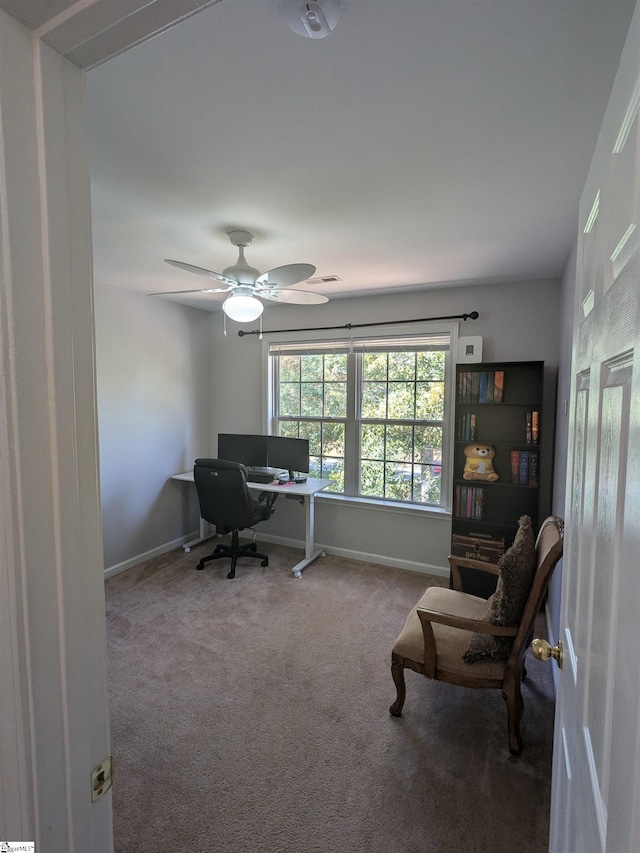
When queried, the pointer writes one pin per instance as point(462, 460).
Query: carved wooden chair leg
point(397, 672)
point(515, 706)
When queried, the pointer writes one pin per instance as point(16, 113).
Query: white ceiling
point(422, 142)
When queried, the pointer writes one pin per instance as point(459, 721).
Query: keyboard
point(259, 478)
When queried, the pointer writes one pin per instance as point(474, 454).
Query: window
point(375, 411)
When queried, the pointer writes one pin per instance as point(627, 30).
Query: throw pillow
point(517, 568)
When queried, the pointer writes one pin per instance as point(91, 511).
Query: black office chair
point(226, 501)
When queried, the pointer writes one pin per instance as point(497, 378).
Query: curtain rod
point(472, 316)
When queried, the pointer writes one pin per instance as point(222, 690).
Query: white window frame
point(352, 337)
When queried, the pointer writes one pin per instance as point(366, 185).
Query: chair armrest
point(467, 563)
point(427, 616)
point(476, 625)
point(268, 499)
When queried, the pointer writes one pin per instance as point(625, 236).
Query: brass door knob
point(543, 651)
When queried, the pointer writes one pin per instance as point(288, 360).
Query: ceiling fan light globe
point(242, 307)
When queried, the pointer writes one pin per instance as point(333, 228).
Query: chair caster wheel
point(264, 563)
point(200, 567)
point(231, 575)
point(187, 550)
point(297, 574)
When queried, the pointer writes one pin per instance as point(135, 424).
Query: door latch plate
point(101, 778)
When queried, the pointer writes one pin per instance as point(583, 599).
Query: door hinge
point(101, 778)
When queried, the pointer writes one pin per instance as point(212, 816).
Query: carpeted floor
point(251, 716)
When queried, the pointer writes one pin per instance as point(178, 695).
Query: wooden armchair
point(438, 629)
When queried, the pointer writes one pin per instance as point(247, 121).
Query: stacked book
point(467, 427)
point(524, 467)
point(532, 426)
point(469, 502)
point(480, 386)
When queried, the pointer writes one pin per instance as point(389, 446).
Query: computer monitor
point(250, 450)
point(292, 454)
point(266, 454)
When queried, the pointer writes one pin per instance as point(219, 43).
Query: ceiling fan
point(244, 283)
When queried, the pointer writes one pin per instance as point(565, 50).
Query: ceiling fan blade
point(198, 290)
point(295, 297)
point(286, 275)
point(200, 271)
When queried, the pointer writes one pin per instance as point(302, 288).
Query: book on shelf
point(469, 502)
point(491, 385)
point(515, 466)
point(535, 426)
point(467, 427)
point(462, 387)
point(475, 387)
point(480, 386)
point(531, 426)
point(524, 467)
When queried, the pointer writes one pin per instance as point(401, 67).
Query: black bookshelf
point(502, 405)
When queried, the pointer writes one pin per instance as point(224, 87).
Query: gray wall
point(169, 381)
point(517, 322)
point(153, 377)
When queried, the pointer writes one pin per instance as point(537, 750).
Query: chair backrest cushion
point(517, 568)
point(225, 499)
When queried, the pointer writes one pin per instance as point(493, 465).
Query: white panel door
point(596, 771)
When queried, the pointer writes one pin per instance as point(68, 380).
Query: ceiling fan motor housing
point(241, 271)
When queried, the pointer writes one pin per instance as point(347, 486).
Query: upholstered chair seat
point(451, 643)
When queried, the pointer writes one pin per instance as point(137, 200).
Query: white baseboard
point(347, 553)
point(362, 556)
point(147, 555)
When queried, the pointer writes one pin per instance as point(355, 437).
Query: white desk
point(305, 492)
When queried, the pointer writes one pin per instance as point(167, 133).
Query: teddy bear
point(478, 464)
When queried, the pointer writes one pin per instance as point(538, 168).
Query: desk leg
point(205, 533)
point(309, 522)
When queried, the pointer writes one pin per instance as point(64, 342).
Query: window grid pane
point(326, 447)
point(401, 462)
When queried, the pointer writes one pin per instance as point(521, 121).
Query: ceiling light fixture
point(242, 306)
point(314, 19)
